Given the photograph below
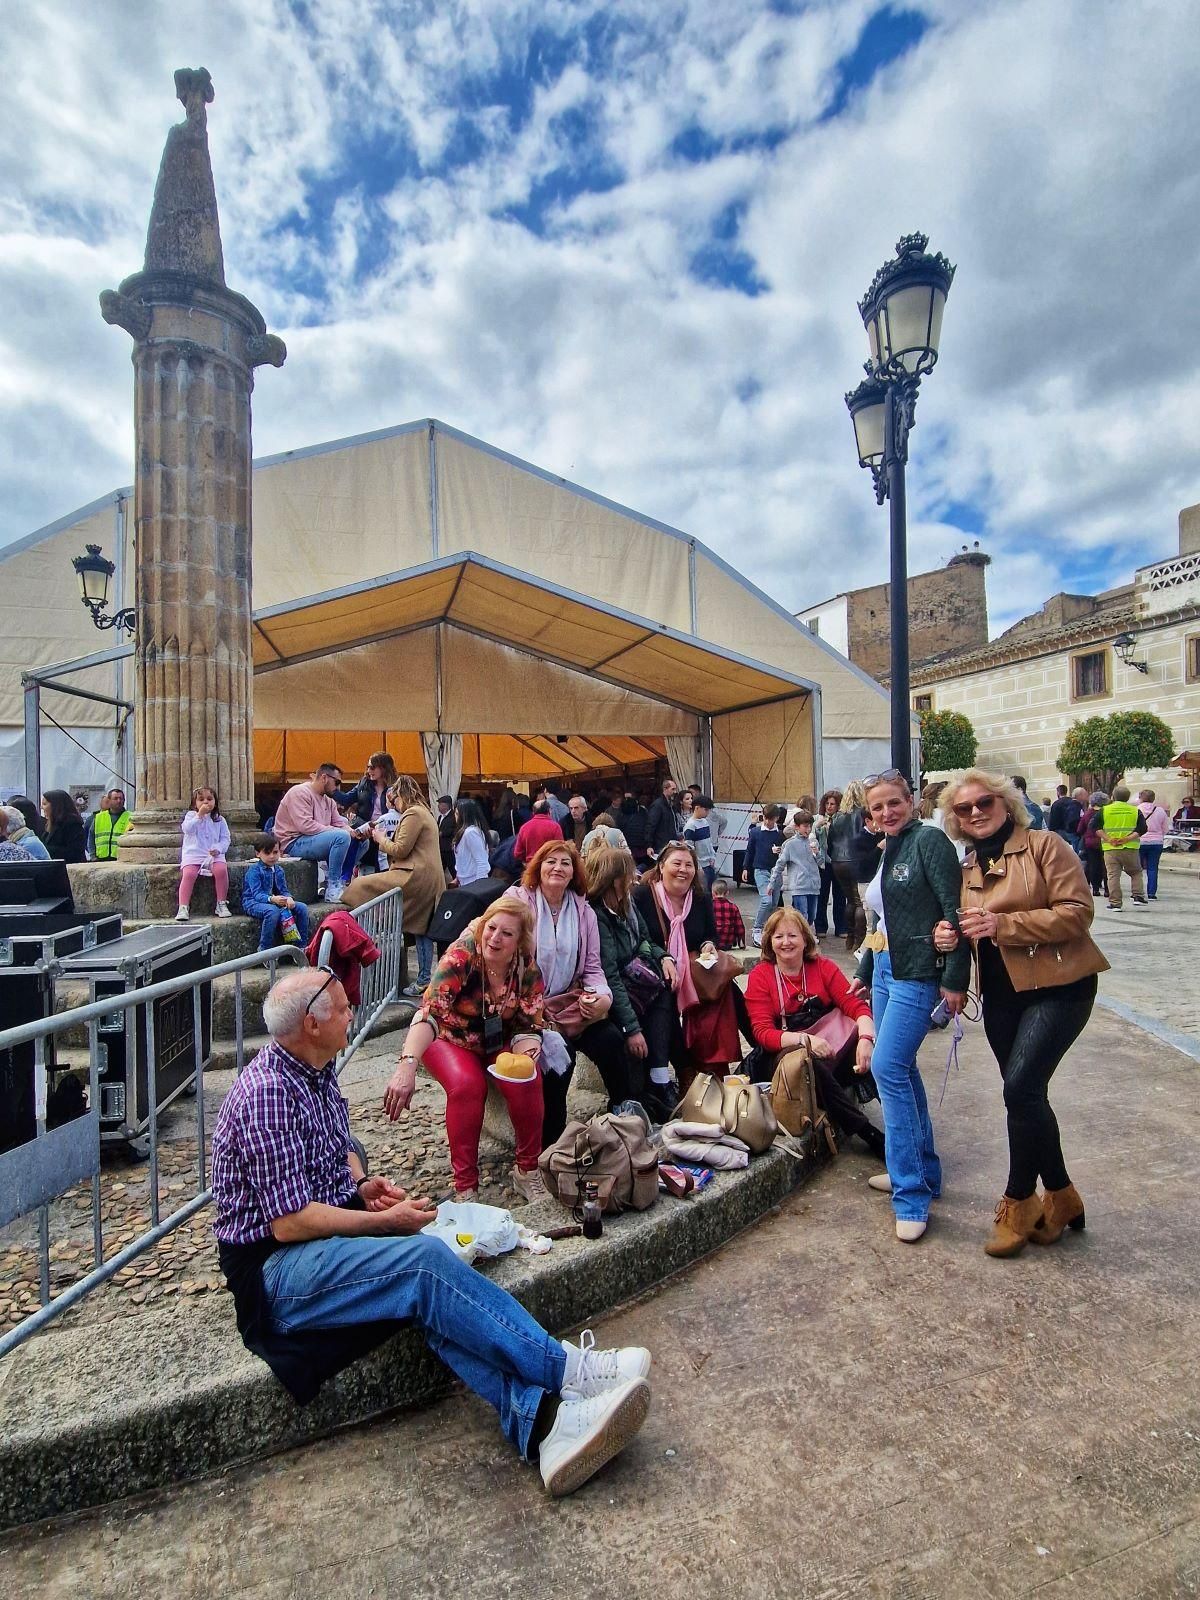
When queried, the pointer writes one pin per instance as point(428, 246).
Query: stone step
point(151, 893)
point(232, 936)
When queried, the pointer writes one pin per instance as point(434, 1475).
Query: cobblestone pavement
point(835, 1415)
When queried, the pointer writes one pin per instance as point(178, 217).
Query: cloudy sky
point(624, 239)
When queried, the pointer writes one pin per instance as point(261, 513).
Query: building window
point(1089, 675)
point(922, 702)
point(1191, 663)
point(814, 626)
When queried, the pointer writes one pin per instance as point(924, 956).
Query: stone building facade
point(1024, 689)
point(947, 609)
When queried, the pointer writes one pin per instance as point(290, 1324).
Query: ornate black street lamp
point(902, 313)
point(94, 572)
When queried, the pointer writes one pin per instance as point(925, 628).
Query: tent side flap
point(764, 753)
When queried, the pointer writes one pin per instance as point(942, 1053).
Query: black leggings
point(625, 1077)
point(1093, 869)
point(1029, 1037)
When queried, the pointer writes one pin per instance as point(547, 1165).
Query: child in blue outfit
point(798, 869)
point(265, 896)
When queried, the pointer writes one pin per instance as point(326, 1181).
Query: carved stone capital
point(122, 312)
point(265, 350)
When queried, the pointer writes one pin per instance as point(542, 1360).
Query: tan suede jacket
point(1043, 910)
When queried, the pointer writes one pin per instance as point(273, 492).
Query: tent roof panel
point(516, 608)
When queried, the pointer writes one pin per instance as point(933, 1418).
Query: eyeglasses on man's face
point(317, 993)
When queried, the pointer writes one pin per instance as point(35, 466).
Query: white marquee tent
point(421, 590)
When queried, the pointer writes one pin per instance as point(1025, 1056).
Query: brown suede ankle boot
point(1061, 1208)
point(1016, 1222)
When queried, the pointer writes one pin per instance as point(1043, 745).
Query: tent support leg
point(33, 745)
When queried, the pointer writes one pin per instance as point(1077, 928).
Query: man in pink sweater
point(308, 824)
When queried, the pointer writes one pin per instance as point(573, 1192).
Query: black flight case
point(31, 945)
point(152, 955)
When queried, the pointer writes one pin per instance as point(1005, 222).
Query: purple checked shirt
point(280, 1142)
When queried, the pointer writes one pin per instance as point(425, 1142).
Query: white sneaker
point(334, 893)
point(909, 1231)
point(587, 1433)
point(223, 908)
point(182, 914)
point(756, 938)
point(880, 1181)
point(591, 1371)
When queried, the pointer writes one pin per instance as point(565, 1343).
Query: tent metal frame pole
point(33, 743)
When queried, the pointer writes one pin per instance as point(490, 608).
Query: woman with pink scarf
point(676, 908)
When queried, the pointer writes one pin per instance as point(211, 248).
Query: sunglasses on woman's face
point(984, 804)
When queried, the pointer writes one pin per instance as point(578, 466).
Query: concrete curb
point(173, 1395)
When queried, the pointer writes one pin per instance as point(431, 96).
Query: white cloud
point(1050, 151)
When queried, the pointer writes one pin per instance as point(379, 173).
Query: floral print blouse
point(453, 1004)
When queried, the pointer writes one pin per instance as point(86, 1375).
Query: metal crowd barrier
point(382, 918)
point(39, 1171)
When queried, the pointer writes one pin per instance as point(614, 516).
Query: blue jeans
point(269, 935)
point(710, 873)
point(1150, 854)
point(332, 845)
point(424, 958)
point(806, 905)
point(766, 902)
point(482, 1334)
point(901, 1010)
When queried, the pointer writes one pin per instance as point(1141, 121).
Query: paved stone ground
point(835, 1414)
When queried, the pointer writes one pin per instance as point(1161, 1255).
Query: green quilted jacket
point(922, 884)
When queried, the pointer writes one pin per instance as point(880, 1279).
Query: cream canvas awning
point(479, 596)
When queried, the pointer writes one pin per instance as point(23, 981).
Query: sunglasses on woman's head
point(985, 803)
point(892, 775)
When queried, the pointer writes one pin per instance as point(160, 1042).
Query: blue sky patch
point(888, 35)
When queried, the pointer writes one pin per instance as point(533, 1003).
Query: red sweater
point(533, 834)
point(822, 978)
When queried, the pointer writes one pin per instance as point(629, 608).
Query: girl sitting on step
point(205, 846)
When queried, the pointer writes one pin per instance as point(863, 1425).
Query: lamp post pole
point(894, 462)
point(902, 313)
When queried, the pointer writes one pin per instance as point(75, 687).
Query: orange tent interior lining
point(287, 757)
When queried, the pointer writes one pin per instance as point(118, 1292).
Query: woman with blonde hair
point(789, 991)
point(1026, 910)
point(844, 843)
point(914, 889)
point(485, 997)
point(414, 864)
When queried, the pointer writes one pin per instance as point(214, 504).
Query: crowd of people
point(594, 952)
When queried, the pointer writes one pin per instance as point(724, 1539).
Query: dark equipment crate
point(152, 955)
point(25, 940)
point(37, 888)
point(26, 995)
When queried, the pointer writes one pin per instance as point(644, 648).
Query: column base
point(154, 837)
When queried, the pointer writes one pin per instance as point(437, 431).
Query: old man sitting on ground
point(324, 1261)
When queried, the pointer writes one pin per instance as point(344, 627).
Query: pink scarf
point(685, 989)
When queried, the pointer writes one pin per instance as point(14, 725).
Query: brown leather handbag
point(712, 981)
point(611, 1152)
point(794, 1096)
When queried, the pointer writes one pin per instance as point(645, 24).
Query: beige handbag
point(741, 1109)
point(794, 1096)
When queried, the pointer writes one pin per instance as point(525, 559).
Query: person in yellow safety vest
point(1119, 825)
point(110, 822)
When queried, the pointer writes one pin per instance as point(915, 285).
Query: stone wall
point(947, 610)
point(1021, 710)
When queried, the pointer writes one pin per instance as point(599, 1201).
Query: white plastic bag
point(472, 1230)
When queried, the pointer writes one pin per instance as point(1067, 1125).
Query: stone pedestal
point(196, 344)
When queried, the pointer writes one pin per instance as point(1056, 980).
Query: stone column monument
point(196, 344)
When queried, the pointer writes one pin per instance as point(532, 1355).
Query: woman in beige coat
point(414, 864)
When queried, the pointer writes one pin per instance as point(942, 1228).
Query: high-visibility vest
point(107, 834)
point(1118, 819)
